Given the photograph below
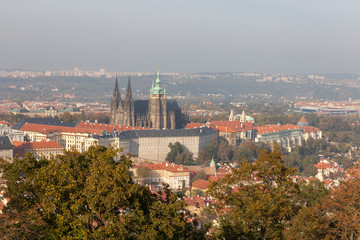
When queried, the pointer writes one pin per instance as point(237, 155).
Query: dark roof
point(166, 133)
point(5, 143)
point(43, 121)
point(141, 106)
point(171, 105)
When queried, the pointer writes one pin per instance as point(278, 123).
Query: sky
point(264, 36)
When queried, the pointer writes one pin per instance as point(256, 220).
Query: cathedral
point(156, 113)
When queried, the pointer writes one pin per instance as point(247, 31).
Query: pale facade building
point(154, 144)
point(176, 176)
point(6, 148)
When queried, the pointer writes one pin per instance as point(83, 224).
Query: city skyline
point(182, 36)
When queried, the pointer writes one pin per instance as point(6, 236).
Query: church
point(155, 113)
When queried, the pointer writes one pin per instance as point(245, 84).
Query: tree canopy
point(88, 196)
point(258, 199)
point(179, 155)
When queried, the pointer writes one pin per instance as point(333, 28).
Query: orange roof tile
point(275, 128)
point(324, 164)
point(201, 184)
point(308, 129)
point(38, 145)
point(303, 120)
point(223, 126)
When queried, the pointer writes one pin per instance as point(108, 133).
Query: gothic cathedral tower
point(157, 105)
point(115, 102)
point(129, 111)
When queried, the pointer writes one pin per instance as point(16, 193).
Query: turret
point(231, 117)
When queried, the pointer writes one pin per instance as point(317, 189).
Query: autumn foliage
point(88, 196)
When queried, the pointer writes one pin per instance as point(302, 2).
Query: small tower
point(303, 122)
point(212, 163)
point(243, 116)
point(231, 116)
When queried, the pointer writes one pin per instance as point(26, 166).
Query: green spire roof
point(157, 89)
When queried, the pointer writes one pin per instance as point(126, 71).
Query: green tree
point(203, 158)
point(245, 150)
point(212, 148)
point(261, 196)
point(199, 175)
point(143, 172)
point(89, 196)
point(179, 155)
point(225, 151)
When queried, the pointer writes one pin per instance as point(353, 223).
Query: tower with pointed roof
point(303, 122)
point(157, 105)
point(243, 116)
point(231, 116)
point(129, 113)
point(115, 102)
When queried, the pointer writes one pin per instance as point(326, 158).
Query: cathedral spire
point(158, 82)
point(157, 89)
point(116, 92)
point(128, 90)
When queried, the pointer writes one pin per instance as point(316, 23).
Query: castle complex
point(156, 113)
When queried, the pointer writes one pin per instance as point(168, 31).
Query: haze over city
point(276, 36)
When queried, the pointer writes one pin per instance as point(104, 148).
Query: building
point(45, 148)
point(309, 131)
point(69, 135)
point(154, 144)
point(176, 176)
point(6, 148)
point(234, 132)
point(14, 135)
point(327, 169)
point(200, 185)
point(286, 135)
point(156, 113)
point(242, 118)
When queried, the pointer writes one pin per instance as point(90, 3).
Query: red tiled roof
point(324, 164)
point(5, 123)
point(37, 145)
point(32, 127)
point(201, 184)
point(327, 182)
point(107, 127)
point(82, 127)
point(233, 124)
point(275, 128)
point(213, 178)
point(194, 125)
point(308, 129)
point(223, 126)
point(303, 120)
point(195, 201)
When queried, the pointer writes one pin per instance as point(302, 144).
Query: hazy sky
point(290, 36)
